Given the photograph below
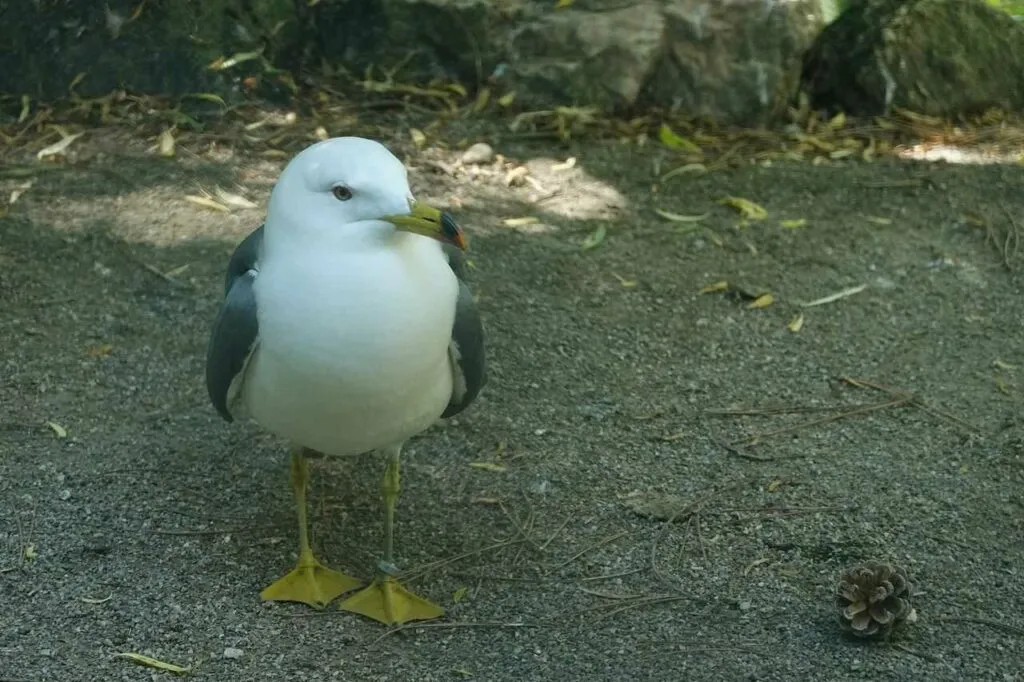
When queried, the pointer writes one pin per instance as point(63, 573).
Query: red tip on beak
point(452, 233)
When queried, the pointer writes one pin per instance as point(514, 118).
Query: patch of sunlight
point(961, 154)
point(544, 194)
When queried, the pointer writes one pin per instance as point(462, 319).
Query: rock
point(595, 58)
point(232, 652)
point(734, 62)
point(935, 57)
point(478, 153)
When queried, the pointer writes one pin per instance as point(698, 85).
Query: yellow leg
point(385, 599)
point(310, 582)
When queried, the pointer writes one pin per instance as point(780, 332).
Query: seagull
point(346, 328)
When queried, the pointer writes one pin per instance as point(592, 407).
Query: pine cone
point(872, 598)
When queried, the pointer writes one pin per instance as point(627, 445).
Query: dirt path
point(139, 522)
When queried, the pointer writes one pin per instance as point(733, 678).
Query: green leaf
point(594, 238)
point(673, 141)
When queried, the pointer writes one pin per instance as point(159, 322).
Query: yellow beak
point(428, 221)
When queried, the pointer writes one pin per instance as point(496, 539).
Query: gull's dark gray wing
point(467, 346)
point(236, 328)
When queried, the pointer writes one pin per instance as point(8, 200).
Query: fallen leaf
point(26, 108)
point(174, 272)
point(207, 202)
point(565, 165)
point(774, 485)
point(680, 218)
point(207, 97)
point(58, 429)
point(100, 351)
point(520, 222)
point(626, 283)
point(154, 663)
point(460, 594)
point(796, 324)
point(1003, 365)
point(714, 288)
point(793, 224)
point(418, 137)
point(165, 146)
point(877, 220)
point(488, 466)
point(671, 437)
point(30, 552)
point(58, 147)
point(762, 301)
point(673, 141)
point(458, 88)
point(507, 99)
point(236, 200)
point(837, 121)
point(18, 191)
point(321, 133)
point(91, 600)
point(594, 238)
point(516, 176)
point(485, 500)
point(482, 99)
point(220, 63)
point(562, 4)
point(754, 564)
point(748, 209)
point(656, 505)
point(687, 168)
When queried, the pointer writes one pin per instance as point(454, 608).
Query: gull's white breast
point(353, 347)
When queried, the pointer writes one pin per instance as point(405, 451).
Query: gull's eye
point(341, 192)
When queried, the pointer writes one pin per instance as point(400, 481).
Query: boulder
point(736, 61)
point(945, 58)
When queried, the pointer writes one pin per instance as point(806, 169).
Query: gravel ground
point(132, 519)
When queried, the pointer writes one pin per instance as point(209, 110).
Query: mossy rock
point(948, 58)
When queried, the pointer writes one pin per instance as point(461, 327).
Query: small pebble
point(480, 152)
point(64, 495)
point(232, 652)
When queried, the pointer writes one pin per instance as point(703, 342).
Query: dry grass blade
point(419, 572)
point(684, 513)
point(1010, 246)
point(994, 624)
point(634, 603)
point(865, 409)
point(845, 293)
point(596, 545)
point(915, 400)
point(452, 626)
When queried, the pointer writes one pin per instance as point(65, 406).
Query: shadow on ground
point(133, 519)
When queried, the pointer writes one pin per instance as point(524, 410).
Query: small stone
point(480, 152)
point(232, 652)
point(541, 487)
point(64, 495)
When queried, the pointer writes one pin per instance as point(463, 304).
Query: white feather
point(355, 319)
